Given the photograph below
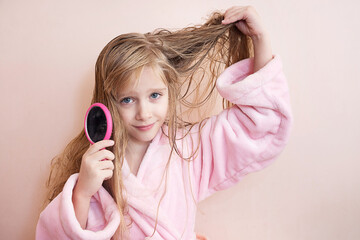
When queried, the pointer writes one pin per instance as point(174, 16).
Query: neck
point(137, 148)
point(134, 153)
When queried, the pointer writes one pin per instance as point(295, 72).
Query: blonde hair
point(178, 56)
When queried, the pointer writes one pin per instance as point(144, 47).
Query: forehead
point(145, 79)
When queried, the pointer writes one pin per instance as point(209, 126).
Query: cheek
point(161, 110)
point(125, 115)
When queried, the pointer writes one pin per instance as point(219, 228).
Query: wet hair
point(182, 58)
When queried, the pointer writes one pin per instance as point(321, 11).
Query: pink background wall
point(47, 54)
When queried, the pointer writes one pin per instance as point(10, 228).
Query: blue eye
point(155, 95)
point(126, 100)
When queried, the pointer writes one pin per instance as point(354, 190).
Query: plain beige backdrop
point(47, 54)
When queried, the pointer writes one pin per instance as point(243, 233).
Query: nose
point(143, 112)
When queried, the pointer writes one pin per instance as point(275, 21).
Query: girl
point(158, 167)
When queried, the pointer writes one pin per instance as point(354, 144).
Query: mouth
point(145, 127)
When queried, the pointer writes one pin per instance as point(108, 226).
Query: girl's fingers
point(106, 165)
point(101, 155)
point(248, 20)
point(237, 13)
point(231, 10)
point(99, 145)
point(233, 14)
point(107, 174)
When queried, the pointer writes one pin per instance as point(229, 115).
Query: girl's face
point(143, 106)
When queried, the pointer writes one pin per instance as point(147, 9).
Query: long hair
point(178, 56)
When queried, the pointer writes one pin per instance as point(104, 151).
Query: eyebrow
point(150, 90)
point(158, 89)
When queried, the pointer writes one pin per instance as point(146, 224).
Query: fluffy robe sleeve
point(248, 136)
point(58, 220)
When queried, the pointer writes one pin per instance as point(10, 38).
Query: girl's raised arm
point(250, 135)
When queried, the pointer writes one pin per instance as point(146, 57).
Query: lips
point(145, 127)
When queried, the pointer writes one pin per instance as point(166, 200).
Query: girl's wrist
point(261, 38)
point(81, 207)
point(79, 196)
point(262, 51)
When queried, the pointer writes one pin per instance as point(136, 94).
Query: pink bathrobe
point(240, 140)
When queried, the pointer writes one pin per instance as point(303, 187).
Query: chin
point(146, 137)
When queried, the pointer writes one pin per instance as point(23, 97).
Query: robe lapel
point(142, 199)
point(143, 209)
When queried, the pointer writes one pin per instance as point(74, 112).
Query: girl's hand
point(96, 166)
point(251, 25)
point(249, 21)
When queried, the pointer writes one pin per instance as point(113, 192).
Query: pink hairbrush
point(98, 123)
